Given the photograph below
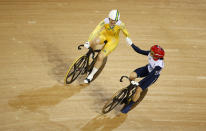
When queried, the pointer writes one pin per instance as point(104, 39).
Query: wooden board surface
point(38, 42)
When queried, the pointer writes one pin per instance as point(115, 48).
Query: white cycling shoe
point(88, 80)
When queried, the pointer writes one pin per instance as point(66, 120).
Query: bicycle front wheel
point(114, 101)
point(75, 69)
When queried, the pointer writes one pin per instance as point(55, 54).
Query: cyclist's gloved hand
point(87, 45)
point(134, 83)
point(129, 41)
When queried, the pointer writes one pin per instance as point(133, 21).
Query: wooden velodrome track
point(39, 39)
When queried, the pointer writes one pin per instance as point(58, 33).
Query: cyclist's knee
point(95, 41)
point(139, 89)
point(133, 75)
point(137, 94)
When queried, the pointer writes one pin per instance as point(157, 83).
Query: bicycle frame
point(90, 66)
point(131, 89)
point(82, 65)
point(122, 96)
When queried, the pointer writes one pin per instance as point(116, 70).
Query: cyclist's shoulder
point(120, 24)
point(106, 20)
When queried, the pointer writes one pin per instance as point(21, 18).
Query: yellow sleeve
point(96, 30)
point(124, 30)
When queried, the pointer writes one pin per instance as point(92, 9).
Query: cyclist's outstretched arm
point(96, 31)
point(124, 30)
point(126, 34)
point(140, 51)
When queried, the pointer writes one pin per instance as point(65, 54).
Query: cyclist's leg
point(139, 72)
point(104, 53)
point(97, 65)
point(133, 76)
point(101, 56)
point(137, 94)
point(97, 40)
point(144, 84)
point(135, 97)
point(108, 48)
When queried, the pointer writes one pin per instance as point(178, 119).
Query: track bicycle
point(83, 65)
point(123, 96)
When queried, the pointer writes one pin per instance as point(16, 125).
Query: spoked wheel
point(75, 69)
point(114, 101)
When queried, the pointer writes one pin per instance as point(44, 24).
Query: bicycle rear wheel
point(75, 69)
point(114, 101)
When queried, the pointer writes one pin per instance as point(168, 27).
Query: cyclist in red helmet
point(150, 72)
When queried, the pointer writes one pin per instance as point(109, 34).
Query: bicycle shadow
point(100, 69)
point(52, 57)
point(104, 123)
point(45, 97)
point(142, 96)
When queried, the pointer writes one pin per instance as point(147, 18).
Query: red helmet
point(157, 52)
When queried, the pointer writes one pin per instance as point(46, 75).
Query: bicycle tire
point(114, 101)
point(75, 69)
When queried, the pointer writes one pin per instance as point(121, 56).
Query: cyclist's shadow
point(34, 99)
point(142, 96)
point(104, 123)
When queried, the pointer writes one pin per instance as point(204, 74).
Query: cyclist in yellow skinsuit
point(107, 30)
